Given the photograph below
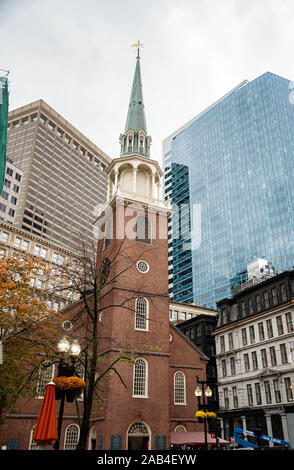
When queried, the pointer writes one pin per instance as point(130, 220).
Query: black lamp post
point(65, 370)
point(200, 392)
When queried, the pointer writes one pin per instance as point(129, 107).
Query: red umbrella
point(46, 427)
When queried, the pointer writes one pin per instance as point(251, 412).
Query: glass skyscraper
point(232, 166)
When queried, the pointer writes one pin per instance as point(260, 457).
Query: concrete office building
point(63, 175)
point(10, 194)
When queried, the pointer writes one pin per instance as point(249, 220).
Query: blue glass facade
point(236, 161)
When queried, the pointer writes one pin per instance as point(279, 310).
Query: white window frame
point(140, 316)
point(45, 375)
point(180, 388)
point(144, 379)
point(71, 445)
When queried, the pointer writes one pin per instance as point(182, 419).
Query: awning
point(180, 438)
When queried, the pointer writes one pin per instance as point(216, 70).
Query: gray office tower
point(230, 175)
point(63, 175)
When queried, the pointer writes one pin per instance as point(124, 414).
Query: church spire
point(134, 140)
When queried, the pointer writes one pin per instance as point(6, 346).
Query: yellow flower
point(210, 414)
point(69, 383)
point(200, 414)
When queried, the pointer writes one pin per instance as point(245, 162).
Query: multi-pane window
point(244, 336)
point(179, 388)
point(4, 237)
point(254, 360)
point(226, 398)
point(224, 368)
point(289, 388)
point(17, 242)
point(198, 331)
point(289, 322)
point(250, 306)
point(140, 378)
point(233, 366)
point(274, 295)
point(264, 358)
point(72, 434)
point(246, 362)
point(268, 395)
point(37, 250)
point(252, 334)
point(141, 314)
point(243, 309)
point(261, 331)
point(258, 393)
point(277, 390)
point(291, 347)
point(283, 293)
point(269, 326)
point(43, 252)
point(284, 356)
point(280, 325)
point(273, 356)
point(222, 343)
point(235, 397)
point(46, 373)
point(231, 341)
point(249, 395)
point(258, 303)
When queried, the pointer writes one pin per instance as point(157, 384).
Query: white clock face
point(170, 338)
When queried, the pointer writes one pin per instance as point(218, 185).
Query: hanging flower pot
point(70, 395)
point(71, 386)
point(211, 415)
point(200, 415)
point(58, 393)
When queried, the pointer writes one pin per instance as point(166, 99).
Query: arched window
point(138, 436)
point(179, 388)
point(141, 314)
point(143, 229)
point(33, 444)
point(140, 384)
point(46, 373)
point(180, 429)
point(72, 434)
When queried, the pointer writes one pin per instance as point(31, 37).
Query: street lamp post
point(65, 370)
point(200, 392)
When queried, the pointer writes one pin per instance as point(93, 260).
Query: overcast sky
point(76, 55)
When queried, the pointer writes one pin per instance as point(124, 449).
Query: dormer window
point(130, 143)
point(141, 144)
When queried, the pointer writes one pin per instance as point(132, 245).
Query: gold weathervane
point(138, 45)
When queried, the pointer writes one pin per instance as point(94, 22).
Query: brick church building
point(154, 395)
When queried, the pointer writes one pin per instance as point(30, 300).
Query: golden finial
point(138, 45)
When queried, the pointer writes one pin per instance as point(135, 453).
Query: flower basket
point(210, 415)
point(70, 395)
point(58, 393)
point(68, 384)
point(200, 415)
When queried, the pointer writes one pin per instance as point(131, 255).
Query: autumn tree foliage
point(28, 328)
